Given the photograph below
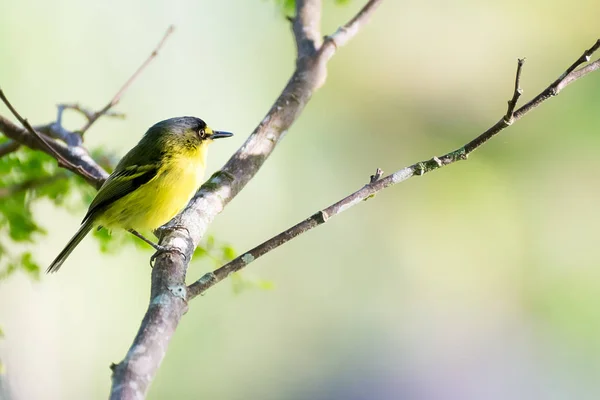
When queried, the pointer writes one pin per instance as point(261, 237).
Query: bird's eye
point(201, 133)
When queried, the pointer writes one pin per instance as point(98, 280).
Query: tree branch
point(306, 26)
point(132, 376)
point(45, 143)
point(76, 156)
point(376, 184)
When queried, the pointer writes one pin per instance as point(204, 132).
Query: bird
point(151, 184)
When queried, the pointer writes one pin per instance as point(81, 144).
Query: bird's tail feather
point(84, 229)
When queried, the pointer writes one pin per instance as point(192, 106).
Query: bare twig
point(87, 113)
point(62, 161)
point(512, 103)
point(349, 30)
point(117, 97)
point(133, 375)
point(211, 278)
point(72, 138)
point(9, 147)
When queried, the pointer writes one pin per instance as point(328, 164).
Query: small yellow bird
point(152, 183)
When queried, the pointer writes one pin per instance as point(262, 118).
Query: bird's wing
point(120, 183)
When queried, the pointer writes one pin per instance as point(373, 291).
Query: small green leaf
point(200, 252)
point(229, 253)
point(265, 285)
point(30, 266)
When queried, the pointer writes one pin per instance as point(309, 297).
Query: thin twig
point(9, 147)
point(87, 113)
point(62, 162)
point(585, 57)
point(349, 30)
point(212, 278)
point(512, 103)
point(117, 97)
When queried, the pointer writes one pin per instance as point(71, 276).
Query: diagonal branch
point(376, 185)
point(46, 143)
point(117, 97)
point(132, 376)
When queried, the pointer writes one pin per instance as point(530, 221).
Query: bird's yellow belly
point(170, 191)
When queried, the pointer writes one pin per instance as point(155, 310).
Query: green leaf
point(30, 266)
point(229, 253)
point(200, 252)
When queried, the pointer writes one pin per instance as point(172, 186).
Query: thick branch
point(376, 185)
point(307, 27)
point(133, 375)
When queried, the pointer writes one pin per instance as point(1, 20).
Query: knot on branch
point(377, 176)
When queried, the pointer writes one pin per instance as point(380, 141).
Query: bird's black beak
point(220, 134)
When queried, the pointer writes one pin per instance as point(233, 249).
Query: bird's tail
point(84, 229)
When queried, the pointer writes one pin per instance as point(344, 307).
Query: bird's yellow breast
point(170, 190)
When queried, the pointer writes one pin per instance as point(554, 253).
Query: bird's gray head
point(187, 131)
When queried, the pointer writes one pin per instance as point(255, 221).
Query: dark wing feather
point(119, 184)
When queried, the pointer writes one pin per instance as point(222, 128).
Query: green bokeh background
point(478, 281)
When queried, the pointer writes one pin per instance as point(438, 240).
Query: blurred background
point(478, 281)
